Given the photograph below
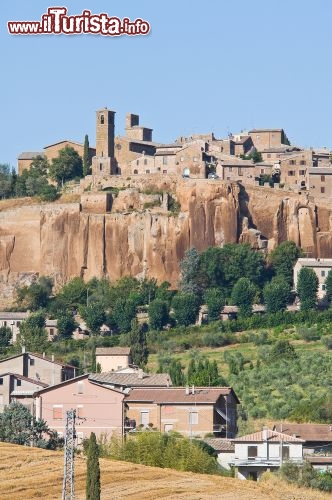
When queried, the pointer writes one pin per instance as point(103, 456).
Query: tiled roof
point(308, 432)
point(30, 155)
point(320, 170)
point(271, 436)
point(113, 351)
point(132, 379)
point(40, 356)
point(315, 262)
point(13, 315)
point(26, 379)
point(265, 130)
point(61, 142)
point(202, 395)
point(219, 444)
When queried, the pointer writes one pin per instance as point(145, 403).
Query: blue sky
point(205, 66)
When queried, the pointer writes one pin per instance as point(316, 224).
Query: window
point(51, 331)
point(269, 155)
point(240, 171)
point(262, 171)
point(291, 173)
point(32, 362)
point(135, 171)
point(18, 382)
point(301, 172)
point(147, 171)
point(57, 412)
point(252, 452)
point(145, 417)
point(322, 190)
point(5, 323)
point(303, 162)
point(292, 162)
point(322, 178)
point(230, 169)
point(164, 171)
point(18, 323)
point(165, 160)
point(168, 427)
point(100, 166)
point(137, 162)
point(80, 387)
point(285, 452)
point(102, 119)
point(322, 273)
point(193, 418)
point(1, 381)
point(323, 287)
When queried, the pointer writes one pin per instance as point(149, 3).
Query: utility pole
point(68, 485)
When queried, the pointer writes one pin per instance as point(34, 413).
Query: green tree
point(283, 259)
point(92, 470)
point(189, 266)
point(19, 427)
point(6, 181)
point(5, 338)
point(35, 296)
point(86, 157)
point(282, 349)
point(214, 298)
point(307, 288)
point(138, 344)
point(94, 316)
point(185, 307)
point(66, 324)
point(277, 294)
point(176, 373)
point(123, 312)
point(243, 295)
point(48, 192)
point(158, 314)
point(72, 294)
point(66, 166)
point(33, 335)
point(328, 286)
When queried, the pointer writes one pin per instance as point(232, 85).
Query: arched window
point(102, 119)
point(135, 171)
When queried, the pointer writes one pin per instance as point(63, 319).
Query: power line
point(68, 485)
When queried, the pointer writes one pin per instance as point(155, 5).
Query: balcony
point(264, 462)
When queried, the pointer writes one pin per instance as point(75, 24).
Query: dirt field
point(32, 473)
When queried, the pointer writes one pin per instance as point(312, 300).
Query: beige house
point(192, 412)
point(294, 170)
point(113, 358)
point(320, 266)
point(266, 138)
point(236, 170)
point(15, 387)
point(13, 321)
point(129, 378)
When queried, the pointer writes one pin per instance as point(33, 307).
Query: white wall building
point(321, 268)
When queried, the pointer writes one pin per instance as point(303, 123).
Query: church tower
point(103, 163)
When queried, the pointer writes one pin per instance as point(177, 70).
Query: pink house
point(99, 409)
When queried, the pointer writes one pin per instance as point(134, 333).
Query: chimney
point(187, 390)
point(193, 389)
point(43, 355)
point(265, 433)
point(23, 349)
point(52, 358)
point(167, 381)
point(140, 374)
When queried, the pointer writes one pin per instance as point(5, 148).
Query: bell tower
point(103, 162)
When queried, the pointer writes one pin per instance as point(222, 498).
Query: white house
point(321, 268)
point(263, 451)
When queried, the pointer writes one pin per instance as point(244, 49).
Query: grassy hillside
point(28, 473)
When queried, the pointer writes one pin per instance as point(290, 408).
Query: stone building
point(268, 138)
point(320, 182)
point(321, 267)
point(294, 170)
point(49, 152)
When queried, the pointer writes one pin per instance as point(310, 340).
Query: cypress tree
point(86, 159)
point(93, 470)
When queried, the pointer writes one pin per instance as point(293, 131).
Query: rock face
point(65, 240)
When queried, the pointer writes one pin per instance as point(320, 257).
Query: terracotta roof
point(132, 379)
point(202, 395)
point(113, 351)
point(308, 432)
point(61, 384)
point(61, 142)
point(40, 356)
point(271, 436)
point(30, 155)
point(219, 444)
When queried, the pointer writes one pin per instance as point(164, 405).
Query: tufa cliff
point(137, 233)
